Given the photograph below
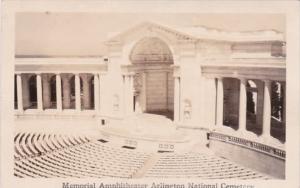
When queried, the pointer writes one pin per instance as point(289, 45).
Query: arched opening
point(278, 110)
point(254, 106)
point(32, 92)
point(231, 88)
point(153, 80)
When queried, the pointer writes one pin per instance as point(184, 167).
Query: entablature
point(253, 49)
point(262, 68)
point(60, 65)
point(266, 72)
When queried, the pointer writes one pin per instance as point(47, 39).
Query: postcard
point(150, 94)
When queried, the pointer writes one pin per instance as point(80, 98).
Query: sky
point(83, 34)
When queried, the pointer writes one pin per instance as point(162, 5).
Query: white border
point(289, 8)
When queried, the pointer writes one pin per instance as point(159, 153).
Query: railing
point(269, 150)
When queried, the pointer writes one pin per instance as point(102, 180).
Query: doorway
point(153, 80)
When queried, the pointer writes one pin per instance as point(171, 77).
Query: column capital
point(65, 76)
point(47, 76)
point(267, 81)
point(101, 73)
point(128, 74)
point(243, 80)
point(86, 77)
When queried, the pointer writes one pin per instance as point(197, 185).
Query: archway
point(153, 80)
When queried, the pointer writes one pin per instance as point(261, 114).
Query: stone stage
point(142, 131)
point(147, 132)
point(146, 126)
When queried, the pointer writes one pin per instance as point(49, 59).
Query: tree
point(276, 100)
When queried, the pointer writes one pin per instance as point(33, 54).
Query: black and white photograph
point(134, 95)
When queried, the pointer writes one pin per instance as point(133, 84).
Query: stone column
point(86, 88)
point(124, 98)
point(46, 91)
point(66, 92)
point(96, 92)
point(266, 129)
point(220, 101)
point(167, 91)
point(25, 91)
point(39, 92)
point(58, 92)
point(19, 93)
point(177, 99)
point(144, 92)
point(131, 93)
point(77, 93)
point(260, 104)
point(243, 105)
point(101, 93)
point(128, 93)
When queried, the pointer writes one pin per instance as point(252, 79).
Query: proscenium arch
point(151, 47)
point(152, 58)
point(129, 47)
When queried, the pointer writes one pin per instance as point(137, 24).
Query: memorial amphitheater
point(164, 102)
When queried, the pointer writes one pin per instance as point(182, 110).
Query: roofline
point(275, 35)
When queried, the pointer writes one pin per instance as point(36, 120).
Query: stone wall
point(250, 158)
point(159, 91)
